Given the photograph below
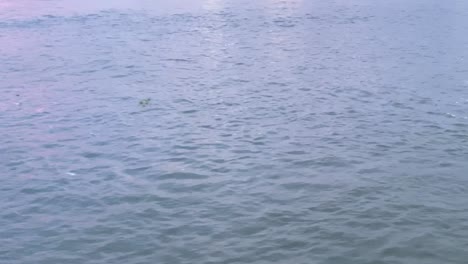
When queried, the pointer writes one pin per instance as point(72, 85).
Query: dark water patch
point(182, 176)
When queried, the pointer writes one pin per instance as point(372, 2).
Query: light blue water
point(291, 131)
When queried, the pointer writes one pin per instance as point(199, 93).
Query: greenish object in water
point(145, 102)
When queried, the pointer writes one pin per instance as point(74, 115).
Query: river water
point(234, 131)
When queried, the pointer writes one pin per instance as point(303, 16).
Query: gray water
point(291, 131)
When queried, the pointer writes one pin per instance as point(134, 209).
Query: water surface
point(278, 131)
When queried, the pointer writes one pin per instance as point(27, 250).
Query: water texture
point(222, 131)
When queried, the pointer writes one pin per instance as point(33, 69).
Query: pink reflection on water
point(20, 9)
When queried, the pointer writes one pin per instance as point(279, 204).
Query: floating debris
point(145, 102)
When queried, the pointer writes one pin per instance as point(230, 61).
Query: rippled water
point(277, 131)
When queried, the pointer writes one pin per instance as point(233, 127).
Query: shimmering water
point(286, 131)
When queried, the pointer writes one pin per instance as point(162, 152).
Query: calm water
point(291, 131)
